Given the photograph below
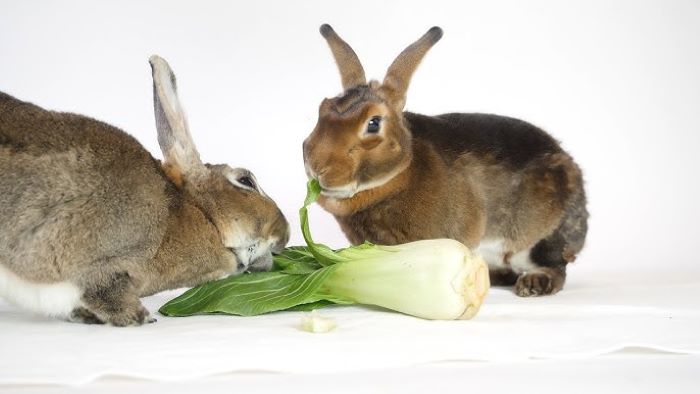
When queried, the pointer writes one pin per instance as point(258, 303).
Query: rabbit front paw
point(114, 301)
point(83, 315)
point(133, 315)
point(543, 281)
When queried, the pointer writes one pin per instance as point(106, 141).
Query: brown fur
point(173, 173)
point(83, 202)
point(468, 177)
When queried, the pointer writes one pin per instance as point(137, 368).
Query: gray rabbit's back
point(73, 191)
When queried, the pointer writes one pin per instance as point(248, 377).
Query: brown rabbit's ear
point(398, 76)
point(174, 137)
point(351, 72)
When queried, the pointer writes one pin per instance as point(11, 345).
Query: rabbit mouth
point(349, 190)
point(252, 258)
point(262, 263)
point(342, 192)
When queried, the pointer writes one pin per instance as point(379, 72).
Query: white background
point(618, 82)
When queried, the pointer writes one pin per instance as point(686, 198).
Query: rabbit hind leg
point(551, 255)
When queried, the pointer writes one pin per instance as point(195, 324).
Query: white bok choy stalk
point(433, 279)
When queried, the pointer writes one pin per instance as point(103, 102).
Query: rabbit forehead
point(353, 118)
point(353, 100)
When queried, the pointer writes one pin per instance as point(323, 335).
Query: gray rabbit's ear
point(399, 74)
point(174, 137)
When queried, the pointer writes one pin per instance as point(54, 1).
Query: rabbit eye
point(373, 125)
point(247, 181)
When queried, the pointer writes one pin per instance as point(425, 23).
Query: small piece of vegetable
point(432, 279)
point(313, 322)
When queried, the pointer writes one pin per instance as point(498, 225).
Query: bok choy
point(432, 279)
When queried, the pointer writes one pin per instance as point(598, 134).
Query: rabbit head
point(248, 221)
point(360, 140)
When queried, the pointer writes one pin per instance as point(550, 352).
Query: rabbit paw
point(539, 283)
point(132, 315)
point(83, 315)
point(114, 301)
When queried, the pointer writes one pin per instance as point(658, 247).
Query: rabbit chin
point(52, 299)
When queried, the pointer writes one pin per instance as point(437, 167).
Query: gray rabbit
point(90, 221)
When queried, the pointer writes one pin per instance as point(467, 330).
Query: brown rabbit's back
point(507, 175)
point(522, 178)
point(505, 140)
point(73, 190)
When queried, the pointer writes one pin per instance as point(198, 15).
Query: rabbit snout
point(333, 172)
point(256, 256)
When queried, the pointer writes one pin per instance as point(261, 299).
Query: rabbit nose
point(246, 254)
point(309, 171)
point(318, 174)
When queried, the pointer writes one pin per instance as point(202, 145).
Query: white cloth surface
point(582, 321)
point(621, 372)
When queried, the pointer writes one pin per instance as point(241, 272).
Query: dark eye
point(373, 125)
point(247, 181)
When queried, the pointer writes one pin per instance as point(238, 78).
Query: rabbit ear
point(398, 76)
point(173, 134)
point(351, 72)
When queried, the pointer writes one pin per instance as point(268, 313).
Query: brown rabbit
point(497, 184)
point(90, 221)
